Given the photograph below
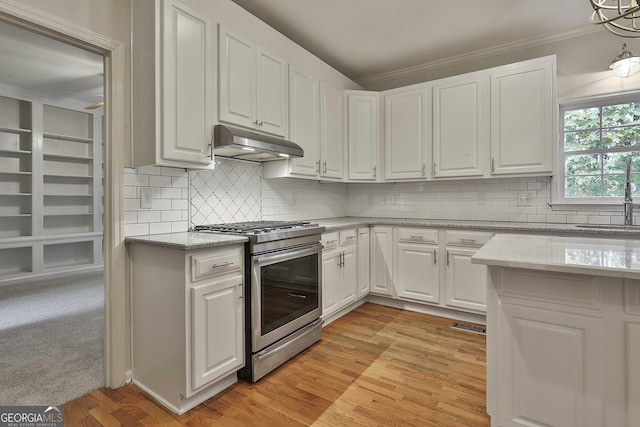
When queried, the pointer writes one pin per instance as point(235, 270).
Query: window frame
point(558, 188)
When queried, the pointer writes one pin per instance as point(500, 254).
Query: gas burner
point(263, 230)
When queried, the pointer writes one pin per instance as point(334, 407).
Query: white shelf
point(14, 130)
point(50, 189)
point(67, 157)
point(66, 137)
point(56, 175)
point(14, 173)
point(15, 152)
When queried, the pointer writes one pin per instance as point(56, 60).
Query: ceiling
point(360, 38)
point(41, 64)
point(366, 38)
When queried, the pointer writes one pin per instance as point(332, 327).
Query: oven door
point(285, 293)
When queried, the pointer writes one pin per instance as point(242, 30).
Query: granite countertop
point(187, 240)
point(611, 257)
point(335, 224)
point(195, 240)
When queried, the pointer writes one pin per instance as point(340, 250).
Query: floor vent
point(470, 328)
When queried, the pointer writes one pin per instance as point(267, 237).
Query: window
point(595, 141)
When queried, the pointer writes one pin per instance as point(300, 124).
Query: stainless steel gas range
point(283, 268)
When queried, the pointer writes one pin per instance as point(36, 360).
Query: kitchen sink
point(610, 227)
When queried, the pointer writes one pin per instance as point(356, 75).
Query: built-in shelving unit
point(50, 187)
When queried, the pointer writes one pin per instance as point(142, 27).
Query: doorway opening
point(52, 287)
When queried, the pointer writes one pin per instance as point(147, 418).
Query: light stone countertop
point(187, 240)
point(335, 224)
point(195, 240)
point(579, 255)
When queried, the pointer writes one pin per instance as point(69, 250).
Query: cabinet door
point(460, 126)
point(188, 73)
point(331, 140)
point(217, 325)
point(237, 86)
point(272, 102)
point(363, 137)
point(303, 107)
point(331, 261)
point(417, 272)
point(465, 283)
point(363, 262)
point(522, 118)
point(406, 134)
point(381, 260)
point(349, 276)
point(549, 368)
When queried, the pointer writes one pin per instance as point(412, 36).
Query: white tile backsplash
point(235, 191)
point(169, 211)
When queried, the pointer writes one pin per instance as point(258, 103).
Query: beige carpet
point(51, 340)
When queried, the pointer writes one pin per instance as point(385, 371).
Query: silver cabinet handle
point(224, 264)
point(417, 237)
point(363, 233)
point(324, 167)
point(351, 237)
point(241, 293)
point(255, 123)
point(468, 240)
point(331, 241)
point(374, 171)
point(318, 167)
point(424, 169)
point(435, 256)
point(447, 257)
point(492, 165)
point(261, 123)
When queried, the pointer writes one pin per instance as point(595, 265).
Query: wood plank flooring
point(376, 366)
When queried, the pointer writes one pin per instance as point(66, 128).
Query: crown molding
point(403, 73)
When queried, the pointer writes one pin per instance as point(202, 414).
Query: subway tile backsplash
point(235, 191)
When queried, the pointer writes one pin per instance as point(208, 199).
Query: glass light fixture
point(626, 64)
point(621, 17)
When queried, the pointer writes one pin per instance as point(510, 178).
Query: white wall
point(582, 61)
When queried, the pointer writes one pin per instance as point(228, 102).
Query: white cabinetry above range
point(173, 84)
point(252, 85)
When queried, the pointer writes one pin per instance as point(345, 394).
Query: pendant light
point(626, 64)
point(621, 17)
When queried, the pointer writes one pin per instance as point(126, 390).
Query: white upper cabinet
point(304, 126)
point(331, 133)
point(406, 134)
point(460, 125)
point(173, 102)
point(252, 85)
point(363, 134)
point(523, 117)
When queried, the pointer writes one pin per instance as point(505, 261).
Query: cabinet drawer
point(467, 238)
point(210, 264)
point(329, 240)
point(348, 237)
point(418, 235)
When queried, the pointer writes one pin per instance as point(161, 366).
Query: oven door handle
point(268, 259)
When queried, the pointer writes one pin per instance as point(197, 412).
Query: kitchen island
point(563, 331)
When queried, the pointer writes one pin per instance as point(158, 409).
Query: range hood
point(240, 144)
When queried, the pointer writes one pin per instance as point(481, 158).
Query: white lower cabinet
point(428, 265)
point(465, 283)
point(381, 240)
point(187, 322)
point(363, 261)
point(339, 271)
point(216, 350)
point(416, 264)
point(563, 349)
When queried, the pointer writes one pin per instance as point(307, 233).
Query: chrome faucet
point(628, 200)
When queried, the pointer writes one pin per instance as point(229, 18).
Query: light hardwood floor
point(376, 366)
